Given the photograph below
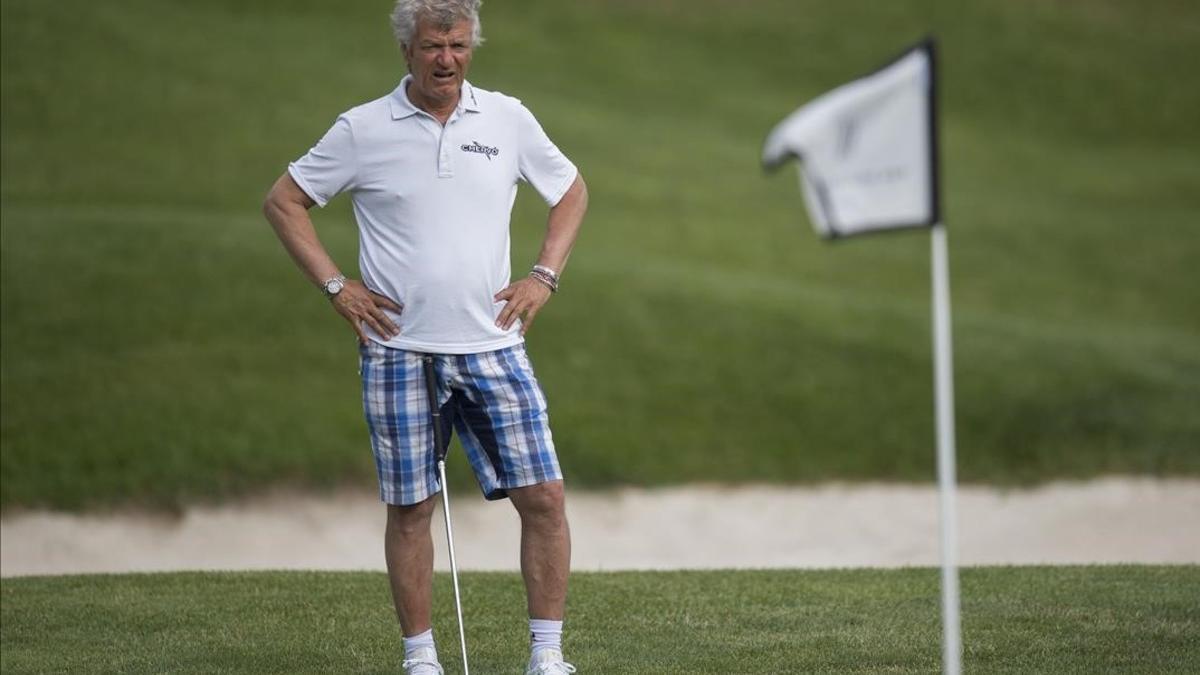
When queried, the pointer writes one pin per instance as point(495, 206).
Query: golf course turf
point(160, 347)
point(1015, 620)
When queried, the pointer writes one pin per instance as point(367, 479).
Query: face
point(438, 60)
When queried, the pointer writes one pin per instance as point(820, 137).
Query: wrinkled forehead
point(449, 28)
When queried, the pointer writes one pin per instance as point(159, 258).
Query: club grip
point(439, 440)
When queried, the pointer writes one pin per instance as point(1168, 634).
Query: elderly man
point(432, 170)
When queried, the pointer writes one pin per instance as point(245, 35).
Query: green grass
point(1015, 620)
point(159, 347)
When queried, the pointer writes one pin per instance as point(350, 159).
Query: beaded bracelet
point(547, 271)
point(545, 278)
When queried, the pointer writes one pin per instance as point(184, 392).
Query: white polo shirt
point(433, 205)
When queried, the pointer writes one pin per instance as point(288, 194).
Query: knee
point(541, 501)
point(411, 520)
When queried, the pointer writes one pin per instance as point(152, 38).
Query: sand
point(1113, 520)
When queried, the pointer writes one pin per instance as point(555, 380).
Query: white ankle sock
point(545, 634)
point(415, 642)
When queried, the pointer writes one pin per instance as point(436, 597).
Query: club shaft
point(462, 634)
point(439, 445)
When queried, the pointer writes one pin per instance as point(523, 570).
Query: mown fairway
point(1016, 620)
point(159, 347)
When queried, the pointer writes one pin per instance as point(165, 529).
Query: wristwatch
point(333, 286)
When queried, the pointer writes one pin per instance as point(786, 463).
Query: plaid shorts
point(492, 399)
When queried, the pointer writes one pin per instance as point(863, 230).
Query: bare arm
point(562, 226)
point(286, 208)
point(526, 296)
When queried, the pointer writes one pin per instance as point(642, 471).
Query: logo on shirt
point(485, 150)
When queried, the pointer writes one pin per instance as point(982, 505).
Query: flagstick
point(944, 399)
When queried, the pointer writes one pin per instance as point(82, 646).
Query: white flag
point(867, 149)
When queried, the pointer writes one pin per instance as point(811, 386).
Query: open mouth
point(443, 75)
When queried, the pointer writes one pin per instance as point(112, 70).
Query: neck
point(441, 109)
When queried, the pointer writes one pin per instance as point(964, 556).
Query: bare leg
point(545, 548)
point(408, 548)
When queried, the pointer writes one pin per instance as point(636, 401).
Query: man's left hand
point(523, 300)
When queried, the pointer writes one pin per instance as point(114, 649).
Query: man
point(432, 170)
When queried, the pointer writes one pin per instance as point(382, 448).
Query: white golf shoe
point(549, 662)
point(423, 662)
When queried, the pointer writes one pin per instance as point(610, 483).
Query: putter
point(439, 444)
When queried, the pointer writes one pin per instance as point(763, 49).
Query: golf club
point(439, 443)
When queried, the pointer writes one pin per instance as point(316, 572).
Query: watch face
point(334, 286)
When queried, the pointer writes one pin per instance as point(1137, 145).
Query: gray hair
point(442, 13)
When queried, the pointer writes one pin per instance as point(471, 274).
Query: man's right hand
point(360, 305)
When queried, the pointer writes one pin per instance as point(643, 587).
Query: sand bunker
point(1113, 520)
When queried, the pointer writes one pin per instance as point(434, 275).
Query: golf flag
point(867, 149)
point(869, 162)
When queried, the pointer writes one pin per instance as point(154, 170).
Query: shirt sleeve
point(330, 166)
point(540, 162)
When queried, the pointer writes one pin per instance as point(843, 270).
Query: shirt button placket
point(445, 166)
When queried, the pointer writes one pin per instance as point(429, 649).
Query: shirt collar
point(402, 107)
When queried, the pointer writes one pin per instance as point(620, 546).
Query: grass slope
point(1016, 620)
point(158, 345)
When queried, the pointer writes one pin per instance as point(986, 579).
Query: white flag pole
point(947, 493)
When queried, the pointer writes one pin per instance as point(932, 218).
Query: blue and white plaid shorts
point(492, 399)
